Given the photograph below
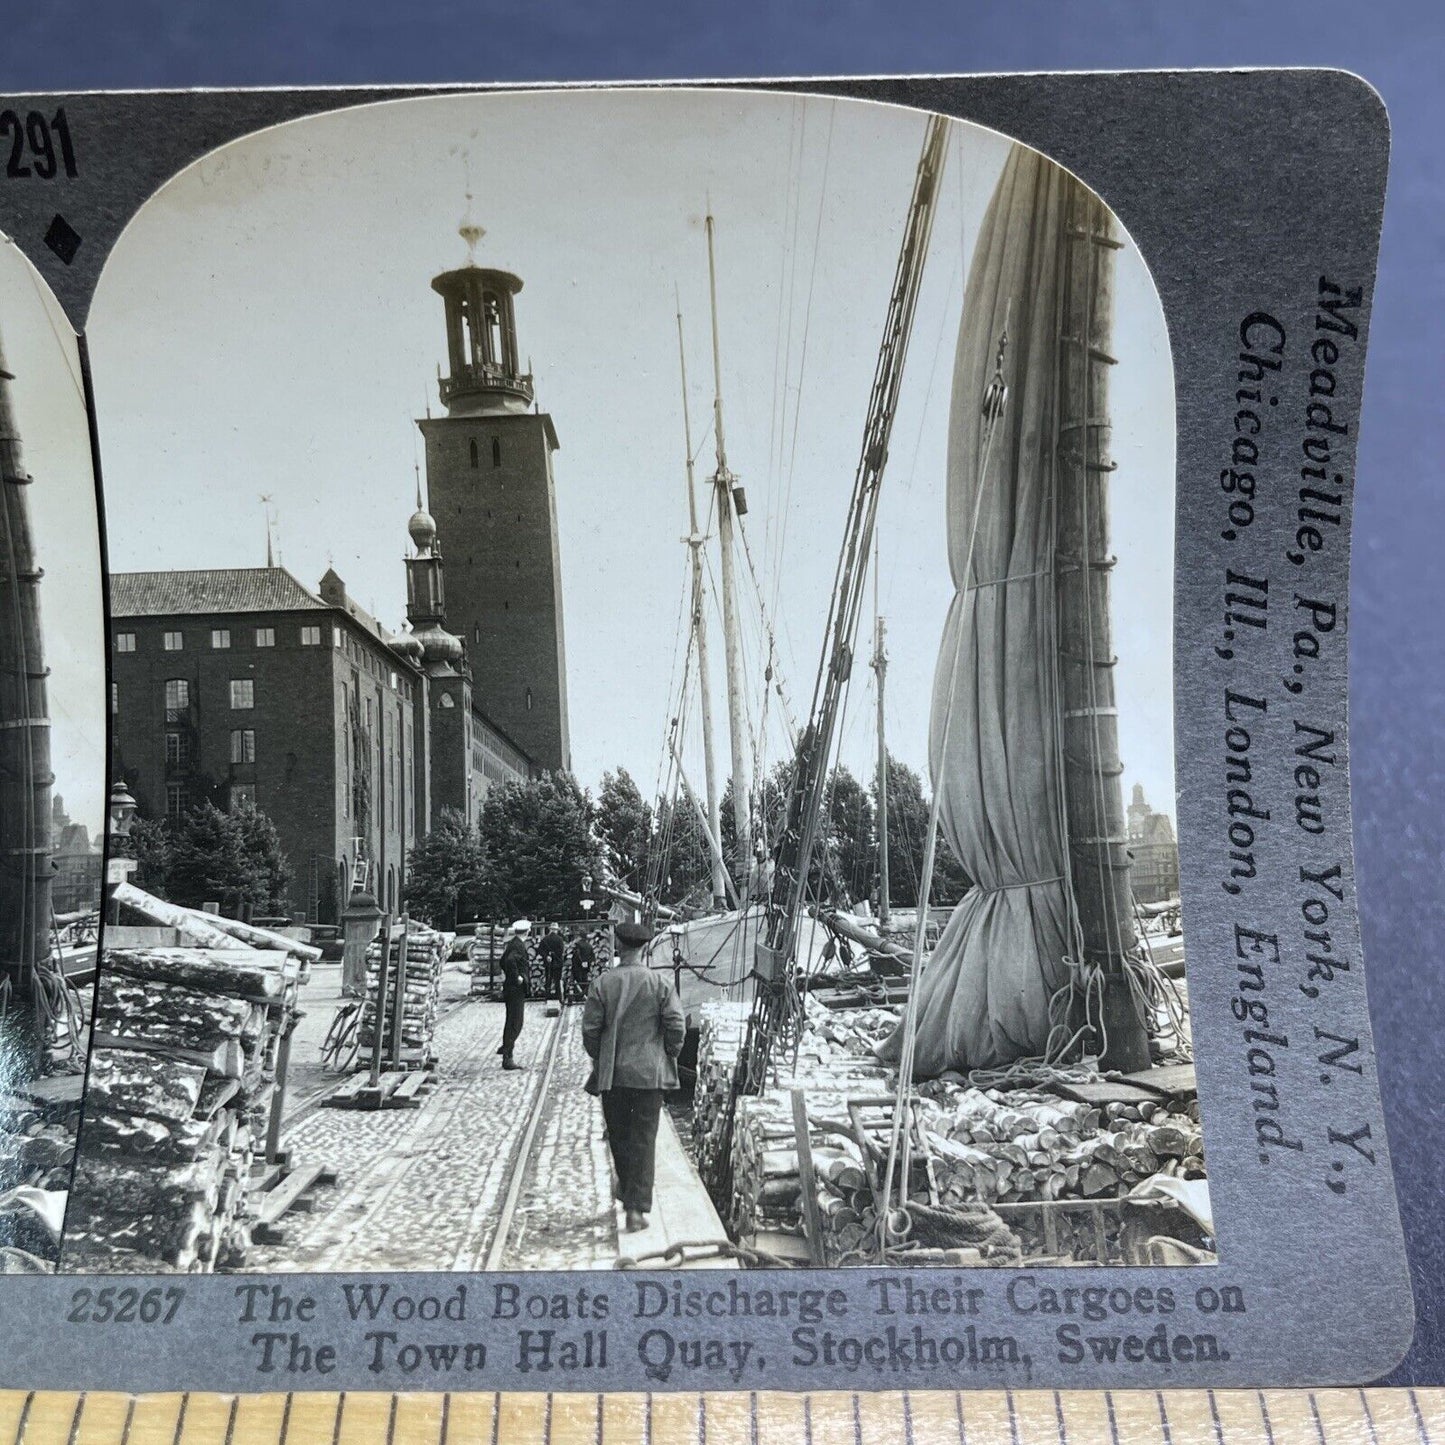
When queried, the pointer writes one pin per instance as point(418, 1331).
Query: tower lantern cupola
point(484, 369)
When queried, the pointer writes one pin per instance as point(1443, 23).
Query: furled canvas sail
point(998, 766)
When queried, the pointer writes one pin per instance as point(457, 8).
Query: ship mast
point(879, 665)
point(25, 777)
point(723, 481)
point(695, 541)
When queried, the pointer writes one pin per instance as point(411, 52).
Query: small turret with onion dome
point(426, 606)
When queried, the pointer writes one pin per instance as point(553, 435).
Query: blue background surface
point(1398, 675)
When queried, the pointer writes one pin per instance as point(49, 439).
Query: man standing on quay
point(632, 1029)
point(551, 951)
point(514, 989)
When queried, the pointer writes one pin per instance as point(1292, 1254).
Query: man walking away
point(514, 988)
point(582, 960)
point(552, 951)
point(632, 1029)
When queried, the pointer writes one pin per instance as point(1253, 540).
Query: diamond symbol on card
point(63, 239)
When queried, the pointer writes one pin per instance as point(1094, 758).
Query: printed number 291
point(37, 140)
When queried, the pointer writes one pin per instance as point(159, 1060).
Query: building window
point(310, 637)
point(115, 697)
point(178, 699)
point(393, 682)
point(220, 638)
point(474, 451)
point(243, 745)
point(476, 632)
point(177, 801)
point(125, 642)
point(243, 692)
point(336, 637)
point(178, 750)
point(173, 642)
point(243, 795)
point(496, 451)
point(265, 637)
point(529, 699)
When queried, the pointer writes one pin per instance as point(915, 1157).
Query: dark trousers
point(512, 1026)
point(554, 981)
point(631, 1116)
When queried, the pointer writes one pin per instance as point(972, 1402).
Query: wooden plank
point(411, 1084)
point(812, 1225)
point(1172, 1081)
point(1108, 1091)
point(276, 1202)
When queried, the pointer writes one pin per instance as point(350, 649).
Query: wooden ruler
point(1124, 1417)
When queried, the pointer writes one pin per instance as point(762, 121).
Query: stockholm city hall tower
point(491, 490)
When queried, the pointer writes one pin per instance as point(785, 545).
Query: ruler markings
point(24, 1418)
point(911, 1417)
point(75, 1418)
point(1113, 1422)
point(1264, 1418)
point(1369, 1418)
point(1419, 1419)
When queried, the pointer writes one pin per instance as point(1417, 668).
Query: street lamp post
point(120, 860)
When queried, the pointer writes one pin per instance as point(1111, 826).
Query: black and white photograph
point(641, 703)
point(52, 761)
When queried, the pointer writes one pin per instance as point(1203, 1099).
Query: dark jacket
point(633, 1028)
point(551, 950)
point(514, 971)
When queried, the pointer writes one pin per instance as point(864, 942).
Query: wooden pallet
point(285, 1191)
point(394, 1089)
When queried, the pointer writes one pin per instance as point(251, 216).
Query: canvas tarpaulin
point(984, 995)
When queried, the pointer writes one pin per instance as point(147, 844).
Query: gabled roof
point(220, 589)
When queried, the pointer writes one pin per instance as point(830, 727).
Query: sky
point(41, 354)
point(266, 326)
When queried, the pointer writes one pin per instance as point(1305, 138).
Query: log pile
point(416, 956)
point(182, 1074)
point(971, 1149)
point(37, 1148)
point(1016, 1146)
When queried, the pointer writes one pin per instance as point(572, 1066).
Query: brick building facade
point(242, 684)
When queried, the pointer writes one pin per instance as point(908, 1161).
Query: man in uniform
point(552, 951)
point(514, 988)
point(633, 1029)
point(583, 958)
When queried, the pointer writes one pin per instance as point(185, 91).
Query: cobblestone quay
point(422, 1189)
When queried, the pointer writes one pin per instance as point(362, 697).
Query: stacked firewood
point(182, 1076)
point(415, 957)
point(37, 1149)
point(1009, 1146)
point(721, 1026)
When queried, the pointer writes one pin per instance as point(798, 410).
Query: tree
point(624, 822)
point(539, 842)
point(852, 842)
point(207, 856)
point(907, 832)
point(445, 869)
point(685, 858)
